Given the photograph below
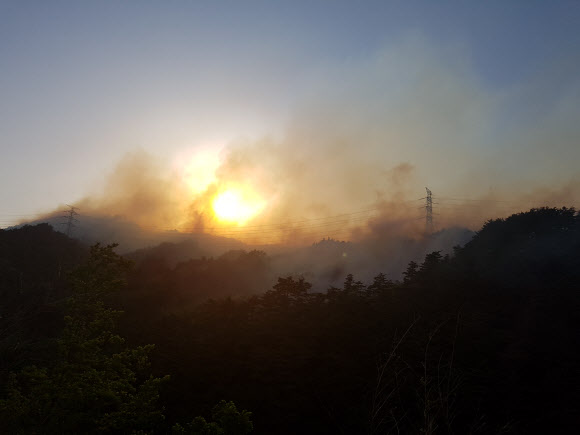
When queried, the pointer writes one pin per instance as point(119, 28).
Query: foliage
point(227, 420)
point(484, 341)
point(97, 384)
point(34, 262)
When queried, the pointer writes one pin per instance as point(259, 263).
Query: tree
point(380, 284)
point(411, 272)
point(287, 292)
point(96, 384)
point(353, 287)
point(431, 262)
point(227, 421)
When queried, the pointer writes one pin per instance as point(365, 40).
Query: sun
point(236, 206)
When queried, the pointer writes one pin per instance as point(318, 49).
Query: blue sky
point(84, 83)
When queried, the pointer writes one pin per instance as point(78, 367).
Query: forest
point(482, 341)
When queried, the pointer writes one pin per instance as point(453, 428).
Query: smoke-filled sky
point(163, 112)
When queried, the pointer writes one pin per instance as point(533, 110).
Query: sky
point(150, 110)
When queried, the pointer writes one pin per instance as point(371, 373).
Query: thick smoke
point(365, 139)
point(375, 133)
point(140, 189)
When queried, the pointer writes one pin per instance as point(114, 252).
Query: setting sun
point(236, 206)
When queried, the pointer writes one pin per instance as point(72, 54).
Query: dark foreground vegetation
point(483, 341)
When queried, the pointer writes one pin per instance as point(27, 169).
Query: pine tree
point(97, 384)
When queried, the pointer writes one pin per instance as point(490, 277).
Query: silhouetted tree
point(353, 287)
point(411, 272)
point(97, 384)
point(227, 420)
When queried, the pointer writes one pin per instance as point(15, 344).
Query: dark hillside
point(482, 341)
point(34, 263)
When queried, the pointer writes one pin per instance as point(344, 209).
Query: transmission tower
point(70, 219)
point(429, 212)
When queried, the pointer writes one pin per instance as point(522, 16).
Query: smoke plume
point(364, 140)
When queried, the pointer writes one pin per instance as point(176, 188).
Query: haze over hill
point(324, 262)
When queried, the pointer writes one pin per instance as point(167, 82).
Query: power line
point(330, 226)
point(70, 219)
point(295, 224)
point(428, 212)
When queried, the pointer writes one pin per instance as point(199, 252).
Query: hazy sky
point(329, 97)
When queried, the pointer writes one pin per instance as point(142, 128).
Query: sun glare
point(198, 168)
point(236, 206)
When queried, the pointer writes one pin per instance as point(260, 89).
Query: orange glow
point(236, 205)
point(198, 168)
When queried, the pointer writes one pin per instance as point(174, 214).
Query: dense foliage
point(483, 341)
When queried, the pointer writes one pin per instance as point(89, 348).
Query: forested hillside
point(482, 341)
